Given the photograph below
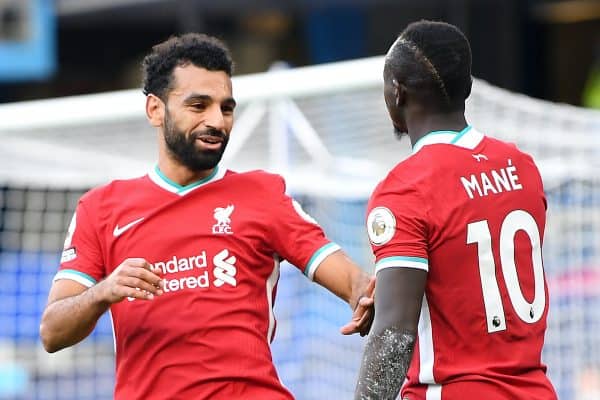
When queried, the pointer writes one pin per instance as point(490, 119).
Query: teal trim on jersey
point(181, 188)
point(81, 274)
point(317, 254)
point(403, 258)
point(456, 138)
point(431, 134)
point(461, 134)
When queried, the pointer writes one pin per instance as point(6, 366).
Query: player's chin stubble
point(184, 149)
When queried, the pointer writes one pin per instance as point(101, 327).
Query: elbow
point(48, 341)
point(50, 348)
point(49, 337)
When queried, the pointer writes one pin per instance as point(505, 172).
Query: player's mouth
point(210, 142)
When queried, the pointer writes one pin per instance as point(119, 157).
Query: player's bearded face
point(185, 149)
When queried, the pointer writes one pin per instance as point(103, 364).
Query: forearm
point(339, 274)
point(385, 362)
point(360, 281)
point(67, 321)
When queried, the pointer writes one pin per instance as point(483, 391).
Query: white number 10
point(479, 232)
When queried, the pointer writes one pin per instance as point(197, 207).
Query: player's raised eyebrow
point(196, 97)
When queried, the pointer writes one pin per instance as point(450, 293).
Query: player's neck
point(431, 122)
point(181, 174)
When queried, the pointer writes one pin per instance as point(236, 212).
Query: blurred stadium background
point(324, 127)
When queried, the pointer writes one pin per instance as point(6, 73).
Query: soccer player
point(186, 258)
point(457, 232)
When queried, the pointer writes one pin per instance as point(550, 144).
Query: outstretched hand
point(363, 315)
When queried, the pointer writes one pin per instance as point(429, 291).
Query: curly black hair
point(435, 59)
point(198, 49)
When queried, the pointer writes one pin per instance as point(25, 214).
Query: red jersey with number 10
point(469, 210)
point(218, 243)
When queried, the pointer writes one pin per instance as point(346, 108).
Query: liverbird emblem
point(222, 215)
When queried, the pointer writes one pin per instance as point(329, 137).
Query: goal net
point(326, 130)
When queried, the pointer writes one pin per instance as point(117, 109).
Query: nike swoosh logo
point(120, 230)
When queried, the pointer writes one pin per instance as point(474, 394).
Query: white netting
point(326, 129)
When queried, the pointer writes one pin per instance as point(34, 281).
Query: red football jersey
point(471, 211)
point(219, 243)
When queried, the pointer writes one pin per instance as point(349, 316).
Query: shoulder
point(407, 174)
point(511, 150)
point(504, 146)
point(259, 180)
point(400, 192)
point(114, 189)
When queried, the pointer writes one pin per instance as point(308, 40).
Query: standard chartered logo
point(224, 269)
point(192, 272)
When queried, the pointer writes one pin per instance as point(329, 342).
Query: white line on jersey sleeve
point(318, 257)
point(402, 262)
point(76, 276)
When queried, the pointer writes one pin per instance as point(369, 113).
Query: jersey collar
point(161, 180)
point(468, 138)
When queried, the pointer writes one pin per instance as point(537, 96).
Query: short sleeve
point(297, 237)
point(397, 227)
point(81, 258)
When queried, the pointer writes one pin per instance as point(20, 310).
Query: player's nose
point(215, 119)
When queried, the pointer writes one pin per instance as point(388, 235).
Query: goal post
point(326, 129)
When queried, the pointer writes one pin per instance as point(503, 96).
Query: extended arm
point(340, 275)
point(73, 309)
point(71, 314)
point(388, 352)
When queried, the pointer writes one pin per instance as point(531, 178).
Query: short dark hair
point(434, 58)
point(198, 49)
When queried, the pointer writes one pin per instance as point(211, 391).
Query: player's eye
point(227, 110)
point(199, 106)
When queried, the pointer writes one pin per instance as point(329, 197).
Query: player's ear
point(399, 93)
point(155, 110)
